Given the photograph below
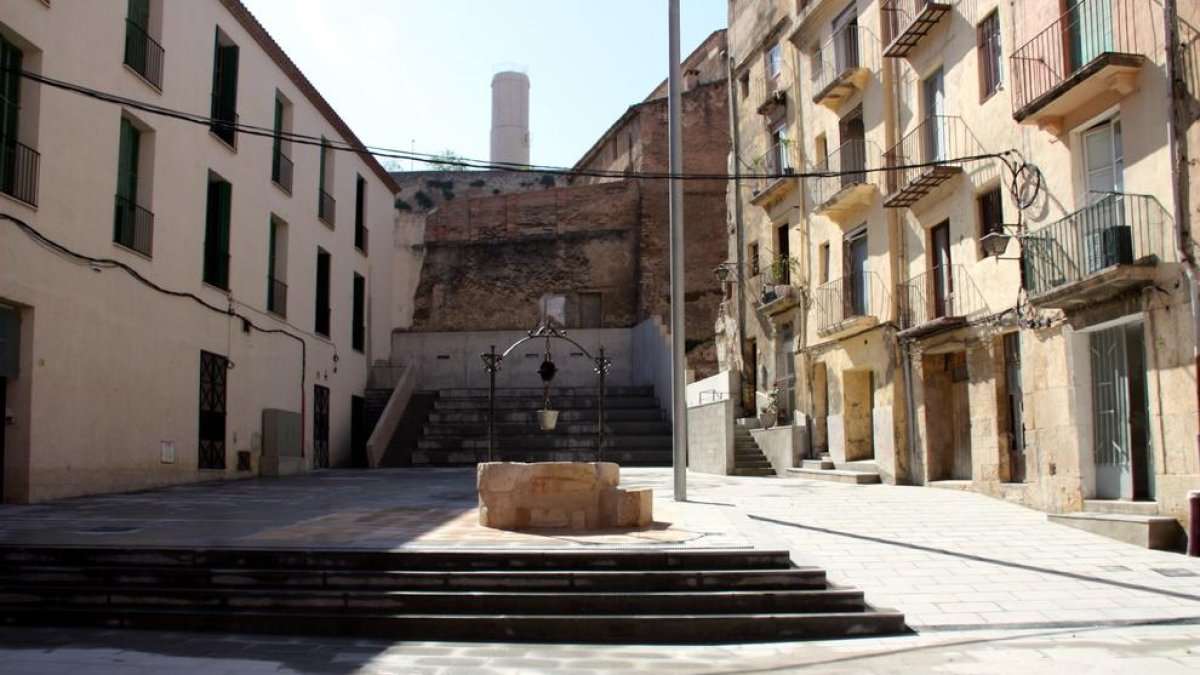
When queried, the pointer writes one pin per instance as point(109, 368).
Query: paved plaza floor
point(987, 586)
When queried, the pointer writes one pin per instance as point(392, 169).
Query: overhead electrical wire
point(390, 153)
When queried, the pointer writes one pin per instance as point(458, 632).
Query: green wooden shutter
point(230, 79)
point(127, 162)
point(359, 313)
point(321, 170)
point(139, 14)
point(216, 235)
point(225, 192)
point(277, 144)
point(10, 109)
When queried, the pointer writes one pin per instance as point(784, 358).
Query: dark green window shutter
point(10, 109)
point(127, 162)
point(322, 320)
point(224, 91)
point(139, 14)
point(277, 144)
point(271, 251)
point(357, 331)
point(321, 170)
point(216, 234)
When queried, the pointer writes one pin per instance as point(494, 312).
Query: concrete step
point(1157, 532)
point(1120, 506)
point(530, 416)
point(639, 596)
point(623, 629)
point(535, 403)
point(546, 441)
point(622, 456)
point(866, 465)
point(510, 392)
point(836, 475)
point(563, 428)
point(753, 471)
point(820, 464)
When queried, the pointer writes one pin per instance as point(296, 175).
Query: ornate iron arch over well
point(492, 362)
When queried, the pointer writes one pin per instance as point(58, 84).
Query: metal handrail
point(19, 166)
point(941, 292)
point(326, 206)
point(1077, 38)
point(852, 163)
point(862, 294)
point(900, 15)
point(133, 226)
point(849, 48)
point(281, 169)
point(225, 129)
point(937, 140)
point(143, 53)
point(276, 296)
point(1116, 229)
point(361, 237)
point(778, 159)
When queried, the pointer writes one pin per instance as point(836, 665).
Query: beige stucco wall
point(111, 368)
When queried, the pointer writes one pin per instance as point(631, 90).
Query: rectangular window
point(990, 207)
point(589, 310)
point(214, 369)
point(224, 90)
point(277, 268)
point(142, 53)
point(823, 263)
point(133, 226)
point(779, 160)
point(281, 163)
point(774, 61)
point(18, 162)
point(744, 84)
point(752, 259)
point(325, 202)
point(360, 214)
point(216, 233)
point(358, 327)
point(320, 426)
point(987, 52)
point(321, 323)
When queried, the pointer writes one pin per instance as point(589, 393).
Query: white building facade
point(180, 299)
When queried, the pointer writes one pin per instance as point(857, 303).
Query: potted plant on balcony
point(780, 270)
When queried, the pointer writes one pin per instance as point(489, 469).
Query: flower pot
point(547, 419)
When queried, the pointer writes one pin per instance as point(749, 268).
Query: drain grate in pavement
point(1175, 572)
point(107, 529)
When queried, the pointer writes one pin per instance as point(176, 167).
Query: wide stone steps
point(546, 441)
point(622, 456)
point(555, 392)
point(529, 417)
point(563, 428)
point(675, 596)
point(533, 403)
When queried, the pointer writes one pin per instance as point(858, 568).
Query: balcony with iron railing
point(851, 181)
point(773, 290)
point(281, 170)
point(768, 92)
point(1083, 63)
point(225, 129)
point(843, 65)
point(926, 157)
point(277, 293)
point(361, 236)
point(907, 22)
point(850, 304)
point(943, 298)
point(1097, 252)
point(325, 207)
point(774, 173)
point(19, 165)
point(133, 226)
point(143, 54)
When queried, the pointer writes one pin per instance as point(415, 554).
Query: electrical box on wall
point(167, 452)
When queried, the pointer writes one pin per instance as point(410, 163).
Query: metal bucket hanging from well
point(547, 418)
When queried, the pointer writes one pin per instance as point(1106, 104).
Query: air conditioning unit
point(1104, 248)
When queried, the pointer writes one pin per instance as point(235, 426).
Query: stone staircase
point(853, 473)
point(748, 458)
point(456, 432)
point(613, 596)
point(1137, 523)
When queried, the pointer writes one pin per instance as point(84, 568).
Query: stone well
point(559, 495)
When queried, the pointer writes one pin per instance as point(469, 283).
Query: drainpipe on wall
point(1177, 142)
point(740, 236)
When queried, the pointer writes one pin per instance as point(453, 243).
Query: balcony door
point(845, 40)
point(1120, 414)
point(933, 95)
point(942, 281)
point(1107, 239)
point(852, 152)
point(1089, 30)
point(856, 297)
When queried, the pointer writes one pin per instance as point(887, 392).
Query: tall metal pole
point(678, 391)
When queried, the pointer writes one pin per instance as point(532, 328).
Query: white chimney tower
point(510, 117)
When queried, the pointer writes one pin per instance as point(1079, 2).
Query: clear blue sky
point(417, 73)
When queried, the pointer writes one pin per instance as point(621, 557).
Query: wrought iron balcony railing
point(852, 165)
point(1117, 229)
point(358, 336)
point(774, 168)
point(281, 170)
point(133, 226)
point(325, 207)
point(855, 300)
point(843, 64)
point(768, 93)
point(143, 54)
point(927, 157)
point(225, 129)
point(277, 293)
point(19, 171)
point(946, 295)
point(361, 238)
point(907, 22)
point(1089, 38)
